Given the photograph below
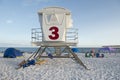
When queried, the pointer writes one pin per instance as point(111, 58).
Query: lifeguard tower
point(55, 33)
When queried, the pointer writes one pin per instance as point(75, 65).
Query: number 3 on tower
point(54, 34)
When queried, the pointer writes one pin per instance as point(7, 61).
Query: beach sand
point(107, 68)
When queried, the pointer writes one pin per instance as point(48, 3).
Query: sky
point(98, 21)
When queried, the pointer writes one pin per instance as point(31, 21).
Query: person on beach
point(97, 55)
point(92, 53)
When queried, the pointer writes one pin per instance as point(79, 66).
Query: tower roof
point(54, 9)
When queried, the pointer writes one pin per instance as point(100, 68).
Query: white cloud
point(15, 44)
point(9, 21)
point(37, 2)
point(33, 2)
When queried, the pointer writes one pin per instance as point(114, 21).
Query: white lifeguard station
point(55, 28)
point(55, 33)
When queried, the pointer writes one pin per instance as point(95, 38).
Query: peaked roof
point(54, 9)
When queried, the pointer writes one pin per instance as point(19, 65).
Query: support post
point(77, 58)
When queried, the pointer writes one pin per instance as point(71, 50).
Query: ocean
point(22, 49)
point(80, 49)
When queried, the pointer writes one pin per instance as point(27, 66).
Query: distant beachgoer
point(97, 55)
point(86, 54)
point(92, 53)
point(102, 55)
point(50, 55)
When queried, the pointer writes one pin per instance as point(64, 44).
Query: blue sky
point(98, 21)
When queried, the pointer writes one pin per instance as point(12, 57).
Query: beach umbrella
point(112, 49)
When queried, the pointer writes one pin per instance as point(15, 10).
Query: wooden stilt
point(25, 61)
point(40, 51)
point(77, 58)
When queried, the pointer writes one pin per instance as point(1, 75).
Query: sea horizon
point(80, 49)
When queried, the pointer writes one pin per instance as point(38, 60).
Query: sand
point(107, 68)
